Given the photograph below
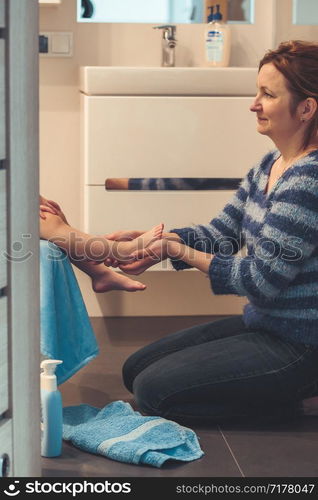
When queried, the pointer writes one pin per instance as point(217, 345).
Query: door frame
point(22, 123)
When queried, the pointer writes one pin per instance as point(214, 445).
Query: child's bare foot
point(124, 249)
point(111, 280)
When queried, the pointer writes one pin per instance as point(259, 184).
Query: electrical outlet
point(56, 44)
point(43, 44)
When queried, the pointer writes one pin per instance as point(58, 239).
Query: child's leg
point(78, 245)
point(82, 246)
point(104, 279)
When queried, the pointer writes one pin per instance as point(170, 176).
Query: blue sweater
point(266, 248)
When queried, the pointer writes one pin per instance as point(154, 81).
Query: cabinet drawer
point(3, 229)
point(169, 137)
point(6, 442)
point(110, 211)
point(3, 356)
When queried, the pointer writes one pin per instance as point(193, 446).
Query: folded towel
point(66, 332)
point(120, 433)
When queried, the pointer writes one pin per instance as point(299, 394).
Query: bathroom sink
point(124, 80)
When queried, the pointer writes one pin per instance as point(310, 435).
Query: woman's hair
point(298, 62)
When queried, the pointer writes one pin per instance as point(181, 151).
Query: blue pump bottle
point(52, 418)
point(211, 15)
point(217, 40)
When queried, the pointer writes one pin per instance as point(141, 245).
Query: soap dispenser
point(51, 405)
point(217, 40)
point(211, 15)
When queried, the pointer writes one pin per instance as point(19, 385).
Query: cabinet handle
point(4, 465)
point(174, 183)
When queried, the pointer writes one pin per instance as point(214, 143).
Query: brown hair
point(298, 62)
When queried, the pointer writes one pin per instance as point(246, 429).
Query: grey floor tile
point(275, 450)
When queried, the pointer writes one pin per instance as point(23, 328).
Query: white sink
point(123, 80)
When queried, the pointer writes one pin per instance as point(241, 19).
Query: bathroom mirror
point(305, 12)
point(161, 11)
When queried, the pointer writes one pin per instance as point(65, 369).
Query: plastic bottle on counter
point(217, 40)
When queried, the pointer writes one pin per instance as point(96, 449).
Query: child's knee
point(50, 225)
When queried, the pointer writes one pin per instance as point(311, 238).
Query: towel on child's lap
point(120, 433)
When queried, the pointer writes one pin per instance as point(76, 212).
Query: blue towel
point(66, 332)
point(120, 433)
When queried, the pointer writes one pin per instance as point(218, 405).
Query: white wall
point(134, 45)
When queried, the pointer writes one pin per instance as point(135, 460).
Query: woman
point(265, 362)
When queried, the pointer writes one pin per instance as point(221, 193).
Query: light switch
point(57, 44)
point(60, 43)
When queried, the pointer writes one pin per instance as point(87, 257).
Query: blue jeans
point(222, 371)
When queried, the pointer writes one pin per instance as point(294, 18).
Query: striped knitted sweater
point(266, 248)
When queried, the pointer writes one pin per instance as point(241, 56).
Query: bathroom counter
point(124, 80)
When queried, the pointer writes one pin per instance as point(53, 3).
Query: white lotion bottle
point(217, 40)
point(51, 405)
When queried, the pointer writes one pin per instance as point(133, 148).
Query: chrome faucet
point(169, 43)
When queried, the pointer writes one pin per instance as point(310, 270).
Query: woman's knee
point(139, 361)
point(151, 386)
point(128, 375)
point(151, 389)
point(131, 368)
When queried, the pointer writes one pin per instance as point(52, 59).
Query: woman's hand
point(147, 257)
point(121, 236)
point(48, 206)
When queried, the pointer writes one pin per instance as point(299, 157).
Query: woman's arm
point(194, 258)
point(172, 248)
point(225, 227)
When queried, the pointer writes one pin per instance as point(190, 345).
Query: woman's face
point(272, 105)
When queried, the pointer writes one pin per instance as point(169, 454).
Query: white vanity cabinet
point(172, 135)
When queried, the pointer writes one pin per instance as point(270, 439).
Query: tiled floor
point(280, 450)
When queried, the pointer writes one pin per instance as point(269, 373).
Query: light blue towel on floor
point(66, 332)
point(120, 433)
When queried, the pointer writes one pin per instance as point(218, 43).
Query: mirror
point(305, 12)
point(161, 11)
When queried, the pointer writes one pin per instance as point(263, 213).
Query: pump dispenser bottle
point(217, 40)
point(52, 418)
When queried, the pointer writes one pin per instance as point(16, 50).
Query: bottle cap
point(48, 377)
point(218, 16)
point(211, 15)
point(49, 365)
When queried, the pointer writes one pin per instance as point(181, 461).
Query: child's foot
point(124, 249)
point(112, 280)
